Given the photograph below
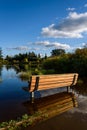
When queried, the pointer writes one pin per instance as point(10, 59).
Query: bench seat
point(43, 82)
point(46, 82)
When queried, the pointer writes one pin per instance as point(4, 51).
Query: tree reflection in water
point(81, 88)
point(0, 73)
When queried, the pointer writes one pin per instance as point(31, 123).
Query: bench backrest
point(42, 82)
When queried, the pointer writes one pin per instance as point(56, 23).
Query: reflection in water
point(0, 73)
point(81, 89)
point(21, 67)
point(74, 119)
point(11, 94)
point(18, 67)
point(52, 105)
point(0, 79)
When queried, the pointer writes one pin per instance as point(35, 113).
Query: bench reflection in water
point(53, 104)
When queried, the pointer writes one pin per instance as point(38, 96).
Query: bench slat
point(54, 86)
point(56, 75)
point(54, 81)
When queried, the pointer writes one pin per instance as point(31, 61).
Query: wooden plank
point(67, 74)
point(54, 82)
point(53, 86)
point(58, 75)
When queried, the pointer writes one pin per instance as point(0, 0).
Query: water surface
point(11, 94)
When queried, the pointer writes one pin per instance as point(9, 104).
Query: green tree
point(57, 52)
point(58, 64)
point(45, 56)
point(80, 61)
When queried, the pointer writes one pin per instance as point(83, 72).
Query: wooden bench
point(44, 82)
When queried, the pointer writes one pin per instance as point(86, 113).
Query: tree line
point(58, 62)
point(68, 63)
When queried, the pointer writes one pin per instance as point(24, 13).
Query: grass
point(23, 122)
point(24, 75)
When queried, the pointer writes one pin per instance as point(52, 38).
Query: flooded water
point(11, 95)
point(63, 113)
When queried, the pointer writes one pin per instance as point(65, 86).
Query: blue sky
point(42, 25)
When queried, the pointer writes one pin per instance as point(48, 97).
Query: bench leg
point(68, 89)
point(32, 97)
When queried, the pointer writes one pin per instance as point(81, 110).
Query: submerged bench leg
point(68, 88)
point(32, 97)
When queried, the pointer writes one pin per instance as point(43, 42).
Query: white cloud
point(20, 48)
point(53, 44)
point(73, 26)
point(35, 49)
point(70, 9)
point(42, 43)
point(61, 46)
point(24, 48)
